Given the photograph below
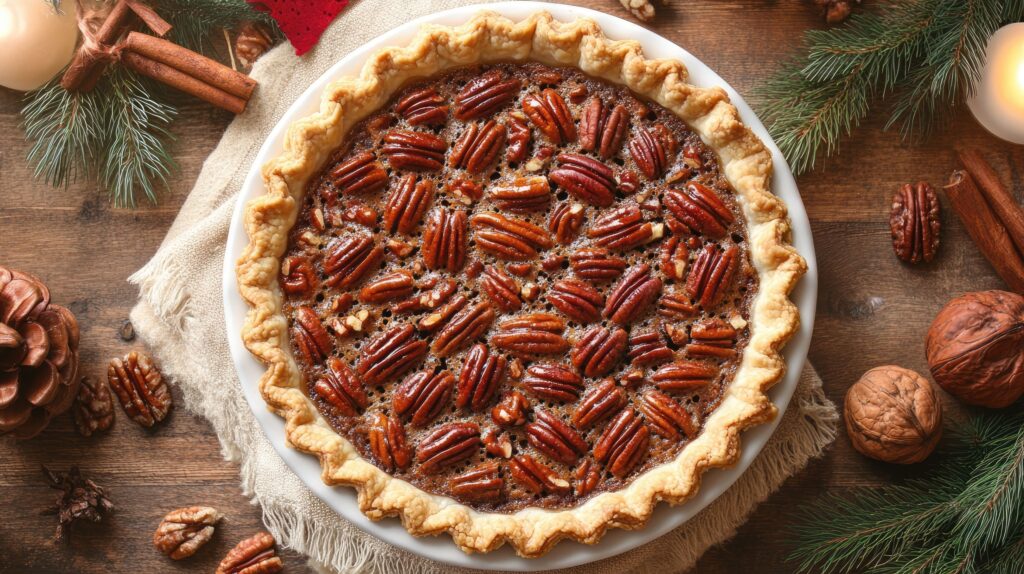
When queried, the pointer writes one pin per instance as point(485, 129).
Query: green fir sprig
point(966, 517)
point(918, 58)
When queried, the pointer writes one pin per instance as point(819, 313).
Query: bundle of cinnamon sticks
point(994, 220)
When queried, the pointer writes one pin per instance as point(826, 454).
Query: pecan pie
point(485, 283)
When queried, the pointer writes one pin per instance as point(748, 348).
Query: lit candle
point(999, 102)
point(36, 41)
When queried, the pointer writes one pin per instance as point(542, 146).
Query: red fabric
point(302, 22)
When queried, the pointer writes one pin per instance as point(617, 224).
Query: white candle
point(999, 102)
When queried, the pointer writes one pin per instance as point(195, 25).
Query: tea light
point(36, 41)
point(998, 103)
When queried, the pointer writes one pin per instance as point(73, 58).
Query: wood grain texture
point(872, 310)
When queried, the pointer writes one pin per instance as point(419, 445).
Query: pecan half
point(523, 195)
point(596, 265)
point(390, 354)
point(478, 147)
point(508, 237)
point(712, 338)
point(395, 285)
point(511, 410)
point(553, 382)
point(549, 435)
point(565, 222)
point(501, 289)
point(482, 374)
point(632, 295)
point(600, 402)
point(648, 348)
point(601, 129)
point(650, 152)
point(407, 204)
point(548, 111)
point(485, 95)
point(438, 319)
point(359, 174)
point(340, 388)
point(598, 351)
point(578, 300)
point(518, 140)
point(482, 483)
point(585, 178)
point(674, 258)
point(623, 443)
point(684, 376)
point(350, 259)
point(298, 278)
point(423, 107)
point(388, 442)
point(536, 477)
point(531, 335)
point(444, 240)
point(667, 417)
point(676, 306)
point(140, 388)
point(447, 445)
point(422, 396)
point(184, 531)
point(468, 324)
point(914, 222)
point(587, 476)
point(416, 151)
point(254, 555)
point(427, 301)
point(497, 443)
point(624, 228)
point(711, 273)
point(699, 209)
point(93, 407)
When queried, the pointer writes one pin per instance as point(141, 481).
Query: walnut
point(893, 415)
point(974, 348)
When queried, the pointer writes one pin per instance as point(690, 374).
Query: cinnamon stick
point(184, 60)
point(1011, 215)
point(153, 21)
point(182, 81)
point(84, 71)
point(985, 228)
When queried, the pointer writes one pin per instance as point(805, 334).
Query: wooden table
point(871, 310)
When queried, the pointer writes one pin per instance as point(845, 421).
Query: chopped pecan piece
point(548, 434)
point(523, 195)
point(501, 289)
point(585, 178)
point(712, 338)
point(699, 209)
point(485, 95)
point(340, 388)
point(648, 348)
point(712, 273)
point(600, 402)
point(437, 297)
point(676, 306)
point(650, 152)
point(547, 111)
point(254, 555)
point(183, 531)
point(632, 295)
point(674, 258)
point(390, 354)
point(422, 396)
point(311, 339)
point(602, 130)
point(578, 300)
point(468, 324)
point(359, 174)
point(553, 382)
point(624, 228)
point(623, 443)
point(395, 285)
point(478, 147)
point(628, 181)
point(518, 140)
point(407, 204)
point(508, 237)
point(359, 212)
point(684, 376)
point(416, 151)
point(565, 222)
point(598, 351)
point(423, 107)
point(297, 276)
point(442, 316)
point(596, 265)
point(536, 477)
point(447, 445)
point(350, 259)
point(666, 416)
point(497, 443)
point(388, 442)
point(511, 410)
point(444, 240)
point(531, 335)
point(587, 477)
point(482, 483)
point(482, 374)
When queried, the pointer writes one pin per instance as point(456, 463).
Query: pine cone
point(38, 355)
point(80, 499)
point(252, 41)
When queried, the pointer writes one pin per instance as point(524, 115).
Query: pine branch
point(194, 20)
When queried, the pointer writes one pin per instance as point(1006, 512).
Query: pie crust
point(489, 37)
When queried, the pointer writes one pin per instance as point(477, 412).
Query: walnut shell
point(893, 415)
point(975, 348)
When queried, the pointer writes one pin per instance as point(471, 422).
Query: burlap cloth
point(181, 317)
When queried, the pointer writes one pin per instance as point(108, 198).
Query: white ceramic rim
point(567, 553)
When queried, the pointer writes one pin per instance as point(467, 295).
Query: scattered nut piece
point(183, 531)
point(140, 388)
point(254, 555)
point(93, 408)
